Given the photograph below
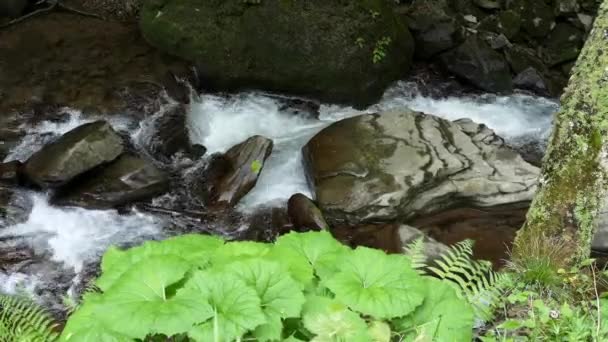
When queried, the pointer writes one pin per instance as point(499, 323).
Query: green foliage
point(22, 320)
point(256, 166)
point(304, 287)
point(380, 49)
point(567, 309)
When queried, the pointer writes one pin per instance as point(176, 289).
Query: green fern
point(475, 280)
point(415, 251)
point(23, 320)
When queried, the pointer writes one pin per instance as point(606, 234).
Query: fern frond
point(475, 280)
point(415, 251)
point(23, 320)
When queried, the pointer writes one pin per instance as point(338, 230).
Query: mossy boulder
point(506, 22)
point(536, 16)
point(563, 44)
point(316, 48)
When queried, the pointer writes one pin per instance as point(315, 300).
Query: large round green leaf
point(376, 284)
point(236, 306)
point(331, 321)
point(138, 303)
point(443, 316)
point(281, 296)
point(308, 253)
point(195, 248)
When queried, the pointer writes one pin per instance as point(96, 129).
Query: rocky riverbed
point(111, 133)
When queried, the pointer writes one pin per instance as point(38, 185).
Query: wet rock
point(563, 44)
point(492, 229)
point(168, 135)
point(229, 177)
point(285, 46)
point(10, 172)
point(476, 62)
point(12, 8)
point(506, 22)
point(437, 38)
point(566, 7)
point(531, 79)
point(305, 108)
point(127, 179)
point(537, 17)
point(176, 89)
point(9, 139)
point(585, 21)
point(422, 15)
point(403, 164)
point(379, 236)
point(432, 249)
point(496, 41)
point(488, 4)
point(521, 58)
point(15, 254)
point(74, 153)
point(304, 214)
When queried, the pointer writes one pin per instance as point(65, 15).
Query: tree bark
point(574, 177)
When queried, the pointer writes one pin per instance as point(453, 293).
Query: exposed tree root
point(54, 4)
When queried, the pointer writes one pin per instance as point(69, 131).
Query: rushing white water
point(75, 236)
point(221, 122)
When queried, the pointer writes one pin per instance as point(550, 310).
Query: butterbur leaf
point(308, 253)
point(442, 317)
point(138, 304)
point(83, 325)
point(236, 250)
point(380, 331)
point(373, 283)
point(235, 306)
point(281, 296)
point(191, 247)
point(330, 320)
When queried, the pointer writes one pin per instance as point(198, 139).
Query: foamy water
point(221, 122)
point(73, 237)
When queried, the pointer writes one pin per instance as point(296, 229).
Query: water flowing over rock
point(229, 177)
point(304, 214)
point(169, 135)
point(402, 164)
point(289, 46)
point(9, 172)
point(74, 153)
point(127, 179)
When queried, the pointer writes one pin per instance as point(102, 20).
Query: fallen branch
point(56, 4)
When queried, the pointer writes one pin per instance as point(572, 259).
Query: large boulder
point(437, 38)
point(402, 164)
point(563, 44)
point(537, 18)
point(127, 179)
point(229, 177)
point(476, 62)
point(322, 48)
point(74, 153)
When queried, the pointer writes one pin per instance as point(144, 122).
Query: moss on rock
point(317, 48)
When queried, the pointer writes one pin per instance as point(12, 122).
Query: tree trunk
point(574, 175)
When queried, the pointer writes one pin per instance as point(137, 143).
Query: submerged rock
point(432, 249)
point(323, 49)
point(403, 164)
point(304, 214)
point(169, 135)
point(229, 177)
point(476, 62)
point(9, 172)
point(126, 180)
point(74, 153)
